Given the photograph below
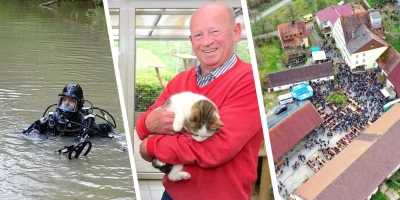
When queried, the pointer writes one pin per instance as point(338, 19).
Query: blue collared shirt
point(203, 81)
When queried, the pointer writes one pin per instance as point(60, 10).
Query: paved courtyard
point(364, 107)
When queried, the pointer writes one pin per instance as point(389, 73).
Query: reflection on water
point(41, 51)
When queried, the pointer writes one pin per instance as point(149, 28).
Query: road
point(273, 8)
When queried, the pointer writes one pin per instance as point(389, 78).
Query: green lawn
point(160, 52)
point(273, 57)
point(392, 27)
point(371, 3)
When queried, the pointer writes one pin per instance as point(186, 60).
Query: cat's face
point(203, 120)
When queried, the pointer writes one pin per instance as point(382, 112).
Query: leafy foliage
point(380, 196)
point(148, 88)
point(98, 2)
point(393, 185)
point(337, 98)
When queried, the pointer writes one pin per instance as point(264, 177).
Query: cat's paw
point(177, 126)
point(178, 176)
point(185, 175)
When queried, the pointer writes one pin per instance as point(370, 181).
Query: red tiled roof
point(351, 23)
point(362, 166)
point(394, 78)
point(289, 29)
point(332, 13)
point(389, 60)
point(293, 128)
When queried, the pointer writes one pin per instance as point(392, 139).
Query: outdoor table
point(279, 163)
point(279, 172)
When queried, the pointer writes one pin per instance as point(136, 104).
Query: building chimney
point(352, 34)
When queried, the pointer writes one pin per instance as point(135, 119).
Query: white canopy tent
point(318, 55)
point(388, 92)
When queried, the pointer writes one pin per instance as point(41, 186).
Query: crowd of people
point(363, 107)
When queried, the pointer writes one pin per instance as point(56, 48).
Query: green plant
point(381, 78)
point(263, 82)
point(318, 30)
point(146, 94)
point(393, 185)
point(98, 2)
point(379, 196)
point(148, 87)
point(337, 98)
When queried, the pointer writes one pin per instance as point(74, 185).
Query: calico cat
point(199, 116)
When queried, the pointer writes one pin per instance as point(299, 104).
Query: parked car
point(307, 18)
point(280, 109)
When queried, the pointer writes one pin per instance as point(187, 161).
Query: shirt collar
point(220, 70)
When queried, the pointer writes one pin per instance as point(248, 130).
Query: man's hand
point(160, 121)
point(143, 151)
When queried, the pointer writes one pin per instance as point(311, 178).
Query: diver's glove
point(77, 148)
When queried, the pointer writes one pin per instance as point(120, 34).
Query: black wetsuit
point(81, 126)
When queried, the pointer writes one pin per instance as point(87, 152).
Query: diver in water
point(71, 118)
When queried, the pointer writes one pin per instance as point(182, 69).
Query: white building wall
point(325, 24)
point(351, 60)
point(340, 42)
point(286, 87)
point(366, 58)
point(318, 21)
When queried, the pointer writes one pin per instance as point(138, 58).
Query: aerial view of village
point(330, 75)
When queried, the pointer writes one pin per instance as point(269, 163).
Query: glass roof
point(164, 23)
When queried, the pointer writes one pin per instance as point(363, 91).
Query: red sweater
point(224, 165)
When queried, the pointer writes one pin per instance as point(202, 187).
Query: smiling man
point(223, 166)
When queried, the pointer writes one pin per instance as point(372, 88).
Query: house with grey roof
point(327, 17)
point(358, 41)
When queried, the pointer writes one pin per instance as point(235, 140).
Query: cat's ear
point(217, 123)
